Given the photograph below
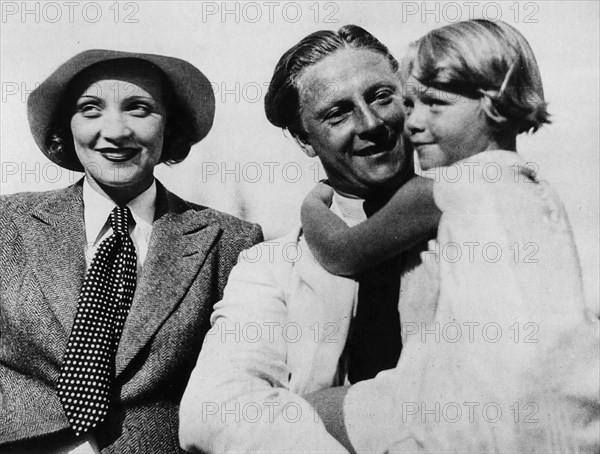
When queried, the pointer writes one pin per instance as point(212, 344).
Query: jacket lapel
point(180, 241)
point(322, 305)
point(58, 261)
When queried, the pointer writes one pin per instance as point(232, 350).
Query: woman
point(107, 285)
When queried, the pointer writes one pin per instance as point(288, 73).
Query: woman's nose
point(114, 127)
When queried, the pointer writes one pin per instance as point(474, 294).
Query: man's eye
point(384, 95)
point(335, 116)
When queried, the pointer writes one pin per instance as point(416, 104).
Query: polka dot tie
point(106, 295)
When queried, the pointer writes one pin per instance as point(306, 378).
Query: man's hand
point(329, 405)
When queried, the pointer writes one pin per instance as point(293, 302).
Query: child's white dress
point(510, 362)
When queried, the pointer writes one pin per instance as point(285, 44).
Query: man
point(282, 328)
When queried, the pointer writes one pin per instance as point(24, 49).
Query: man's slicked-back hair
point(282, 102)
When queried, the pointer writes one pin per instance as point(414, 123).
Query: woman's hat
point(193, 92)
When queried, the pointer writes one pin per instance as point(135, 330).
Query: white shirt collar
point(350, 209)
point(97, 209)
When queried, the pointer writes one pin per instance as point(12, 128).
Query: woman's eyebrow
point(139, 98)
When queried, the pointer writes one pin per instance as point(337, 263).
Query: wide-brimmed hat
point(193, 93)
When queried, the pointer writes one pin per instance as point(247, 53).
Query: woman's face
point(444, 127)
point(118, 128)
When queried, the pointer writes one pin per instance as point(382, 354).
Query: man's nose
point(368, 121)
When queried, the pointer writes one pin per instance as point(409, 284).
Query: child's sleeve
point(409, 217)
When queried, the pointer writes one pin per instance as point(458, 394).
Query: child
point(512, 331)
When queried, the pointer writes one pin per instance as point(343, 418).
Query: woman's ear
point(304, 144)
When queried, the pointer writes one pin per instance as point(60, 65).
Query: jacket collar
point(182, 236)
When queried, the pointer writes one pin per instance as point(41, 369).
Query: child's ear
point(488, 106)
point(302, 141)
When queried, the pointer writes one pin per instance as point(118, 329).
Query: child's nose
point(415, 119)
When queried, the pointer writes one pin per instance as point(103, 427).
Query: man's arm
point(238, 397)
point(329, 404)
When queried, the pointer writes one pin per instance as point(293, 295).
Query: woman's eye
point(89, 109)
point(140, 109)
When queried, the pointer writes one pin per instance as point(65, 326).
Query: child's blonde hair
point(483, 59)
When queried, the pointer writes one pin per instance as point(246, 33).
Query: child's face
point(444, 127)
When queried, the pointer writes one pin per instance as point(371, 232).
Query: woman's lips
point(118, 154)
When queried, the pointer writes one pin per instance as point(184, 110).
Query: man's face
point(351, 111)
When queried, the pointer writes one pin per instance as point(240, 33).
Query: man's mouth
point(118, 154)
point(375, 150)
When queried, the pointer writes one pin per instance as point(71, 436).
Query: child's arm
point(410, 216)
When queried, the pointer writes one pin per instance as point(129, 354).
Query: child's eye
point(408, 104)
point(434, 100)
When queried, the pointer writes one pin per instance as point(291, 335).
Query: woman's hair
point(177, 138)
point(282, 102)
point(483, 59)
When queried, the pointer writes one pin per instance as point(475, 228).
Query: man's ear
point(303, 143)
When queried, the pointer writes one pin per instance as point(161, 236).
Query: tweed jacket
point(191, 252)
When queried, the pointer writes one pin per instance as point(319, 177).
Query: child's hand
point(322, 192)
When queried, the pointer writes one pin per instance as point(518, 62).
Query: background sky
point(253, 170)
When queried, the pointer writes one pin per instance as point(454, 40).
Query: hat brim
point(193, 92)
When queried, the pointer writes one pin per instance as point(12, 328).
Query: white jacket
point(278, 333)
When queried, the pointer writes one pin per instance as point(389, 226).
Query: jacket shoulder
point(227, 222)
point(21, 201)
point(25, 202)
